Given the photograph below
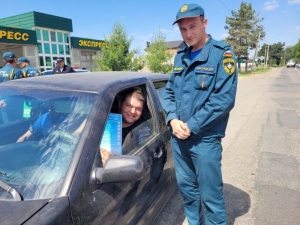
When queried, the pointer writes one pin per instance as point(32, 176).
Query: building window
point(41, 61)
point(38, 34)
point(61, 49)
point(40, 48)
point(67, 49)
point(66, 37)
point(68, 61)
point(47, 48)
point(52, 44)
point(53, 36)
point(45, 35)
point(59, 37)
point(54, 48)
point(48, 61)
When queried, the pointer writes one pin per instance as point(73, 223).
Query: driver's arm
point(79, 129)
point(25, 136)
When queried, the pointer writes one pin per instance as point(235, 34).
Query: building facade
point(42, 38)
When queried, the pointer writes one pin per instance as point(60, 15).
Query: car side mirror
point(118, 169)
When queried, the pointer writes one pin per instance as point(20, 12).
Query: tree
point(290, 52)
point(244, 31)
point(117, 56)
point(297, 51)
point(158, 57)
point(137, 62)
point(276, 53)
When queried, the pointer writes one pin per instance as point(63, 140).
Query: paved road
point(261, 154)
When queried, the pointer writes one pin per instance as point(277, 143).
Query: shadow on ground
point(237, 204)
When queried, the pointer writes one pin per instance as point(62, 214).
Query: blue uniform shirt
point(8, 72)
point(44, 124)
point(201, 92)
point(30, 71)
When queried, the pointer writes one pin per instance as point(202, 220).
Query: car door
point(125, 202)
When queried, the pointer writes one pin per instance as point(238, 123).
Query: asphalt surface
point(261, 154)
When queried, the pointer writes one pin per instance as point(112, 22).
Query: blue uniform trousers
point(198, 172)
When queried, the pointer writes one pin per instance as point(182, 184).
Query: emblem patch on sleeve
point(228, 62)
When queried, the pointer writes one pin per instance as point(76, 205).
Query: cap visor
point(176, 21)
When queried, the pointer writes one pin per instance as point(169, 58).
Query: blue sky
point(95, 18)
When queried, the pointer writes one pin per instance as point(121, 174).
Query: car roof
point(85, 81)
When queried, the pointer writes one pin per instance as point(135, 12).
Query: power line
point(225, 5)
point(281, 33)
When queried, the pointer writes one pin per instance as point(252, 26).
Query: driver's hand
point(104, 155)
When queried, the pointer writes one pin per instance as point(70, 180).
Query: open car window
point(123, 141)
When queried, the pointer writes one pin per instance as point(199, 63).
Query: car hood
point(17, 212)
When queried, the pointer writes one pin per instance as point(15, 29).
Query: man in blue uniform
point(62, 67)
point(9, 71)
point(197, 99)
point(27, 69)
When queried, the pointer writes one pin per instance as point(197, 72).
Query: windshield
point(38, 139)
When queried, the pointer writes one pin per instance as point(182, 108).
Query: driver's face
point(131, 110)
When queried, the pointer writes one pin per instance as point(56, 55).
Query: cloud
point(294, 1)
point(174, 30)
point(272, 5)
point(225, 35)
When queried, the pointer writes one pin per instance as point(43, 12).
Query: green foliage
point(117, 56)
point(297, 51)
point(157, 57)
point(276, 53)
point(257, 70)
point(290, 52)
point(244, 30)
point(138, 62)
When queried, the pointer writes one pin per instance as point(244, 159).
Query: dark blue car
point(56, 177)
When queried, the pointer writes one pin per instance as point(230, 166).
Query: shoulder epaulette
point(220, 44)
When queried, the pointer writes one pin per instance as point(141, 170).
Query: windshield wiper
point(3, 173)
point(10, 190)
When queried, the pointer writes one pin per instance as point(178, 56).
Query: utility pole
point(257, 43)
point(265, 56)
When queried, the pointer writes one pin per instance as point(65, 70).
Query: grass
point(255, 71)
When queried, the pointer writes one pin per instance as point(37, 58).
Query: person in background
point(9, 71)
point(27, 69)
point(197, 100)
point(61, 67)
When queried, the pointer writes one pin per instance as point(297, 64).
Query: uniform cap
point(60, 59)
point(9, 55)
point(189, 11)
point(22, 59)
